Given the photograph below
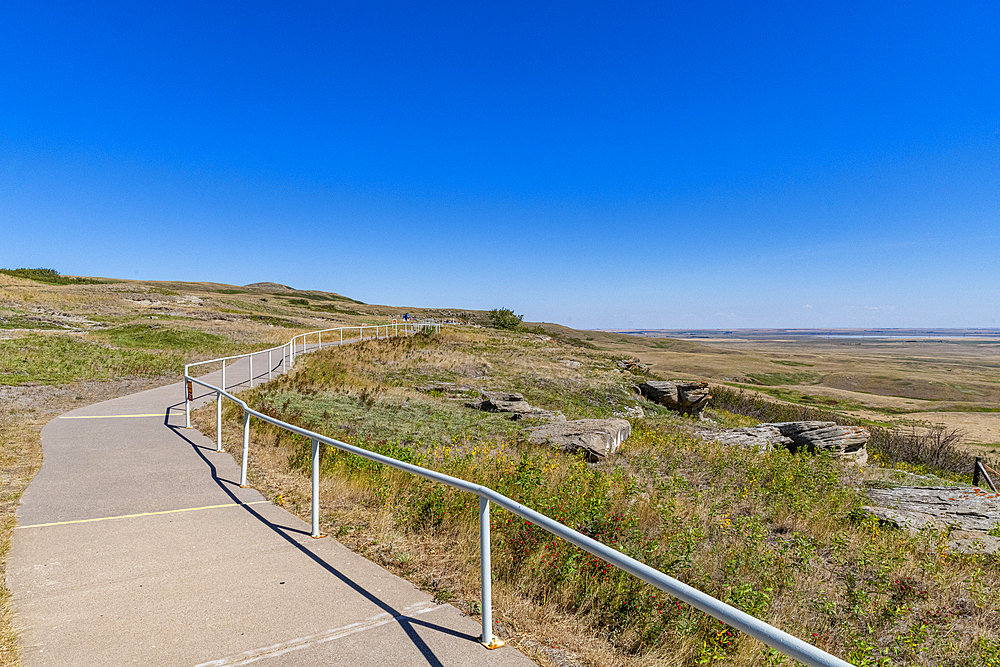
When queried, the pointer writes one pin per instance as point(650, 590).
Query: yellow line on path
point(131, 516)
point(158, 414)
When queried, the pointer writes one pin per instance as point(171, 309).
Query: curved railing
point(777, 639)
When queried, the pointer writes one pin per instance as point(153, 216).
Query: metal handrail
point(777, 639)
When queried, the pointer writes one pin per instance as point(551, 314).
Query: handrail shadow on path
point(405, 622)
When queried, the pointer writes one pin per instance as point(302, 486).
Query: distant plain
point(905, 377)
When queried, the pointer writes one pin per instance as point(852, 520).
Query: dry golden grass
point(20, 459)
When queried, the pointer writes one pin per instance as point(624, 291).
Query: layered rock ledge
point(848, 442)
point(596, 438)
point(495, 401)
point(687, 397)
point(969, 513)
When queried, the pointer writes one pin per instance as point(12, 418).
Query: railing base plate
point(496, 643)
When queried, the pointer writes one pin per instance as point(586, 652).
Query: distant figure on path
point(406, 317)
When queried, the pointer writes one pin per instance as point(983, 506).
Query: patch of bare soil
point(980, 428)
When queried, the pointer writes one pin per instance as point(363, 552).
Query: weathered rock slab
point(495, 401)
point(843, 441)
point(765, 436)
point(596, 438)
point(687, 397)
point(968, 512)
point(849, 442)
point(966, 508)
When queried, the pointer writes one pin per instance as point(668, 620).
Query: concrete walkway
point(135, 545)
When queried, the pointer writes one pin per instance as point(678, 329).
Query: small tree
point(504, 318)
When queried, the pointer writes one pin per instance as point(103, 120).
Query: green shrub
point(504, 318)
point(49, 276)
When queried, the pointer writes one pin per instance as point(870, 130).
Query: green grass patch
point(423, 420)
point(319, 296)
point(330, 308)
point(10, 319)
point(158, 337)
point(58, 359)
point(49, 277)
point(785, 362)
point(773, 379)
point(275, 321)
point(792, 396)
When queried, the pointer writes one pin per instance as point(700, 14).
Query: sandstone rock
point(494, 401)
point(847, 442)
point(973, 542)
point(631, 364)
point(596, 438)
point(765, 436)
point(844, 441)
point(968, 512)
point(687, 397)
point(965, 508)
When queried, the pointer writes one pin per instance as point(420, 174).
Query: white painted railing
point(777, 639)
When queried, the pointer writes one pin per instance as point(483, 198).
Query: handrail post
point(315, 490)
point(250, 359)
point(269, 364)
point(218, 421)
point(187, 397)
point(223, 375)
point(341, 335)
point(246, 448)
point(975, 472)
point(320, 334)
point(486, 575)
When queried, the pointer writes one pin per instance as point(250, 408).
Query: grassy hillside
point(778, 535)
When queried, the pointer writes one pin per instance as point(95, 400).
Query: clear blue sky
point(598, 164)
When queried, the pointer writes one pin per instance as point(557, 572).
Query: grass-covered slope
point(775, 534)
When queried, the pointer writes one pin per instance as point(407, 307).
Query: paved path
point(135, 545)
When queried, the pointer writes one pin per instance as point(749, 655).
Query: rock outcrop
point(631, 364)
point(848, 442)
point(687, 397)
point(596, 438)
point(495, 401)
point(968, 512)
point(764, 436)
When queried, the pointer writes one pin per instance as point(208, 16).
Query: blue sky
point(632, 164)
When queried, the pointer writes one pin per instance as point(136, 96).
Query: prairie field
point(779, 535)
point(948, 381)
